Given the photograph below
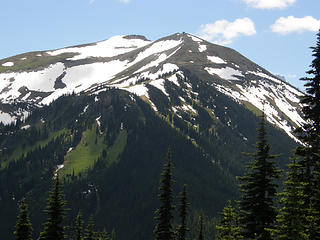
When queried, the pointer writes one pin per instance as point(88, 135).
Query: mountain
point(103, 115)
point(134, 63)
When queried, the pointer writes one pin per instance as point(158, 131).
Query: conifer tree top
point(23, 229)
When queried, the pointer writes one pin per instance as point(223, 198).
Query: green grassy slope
point(85, 153)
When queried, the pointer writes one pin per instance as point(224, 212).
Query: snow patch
point(162, 57)
point(174, 79)
point(8, 64)
point(140, 90)
point(263, 75)
point(227, 73)
point(25, 127)
point(99, 124)
point(26, 96)
point(80, 78)
point(157, 47)
point(166, 68)
point(189, 108)
point(237, 66)
point(288, 110)
point(202, 48)
point(169, 67)
point(159, 83)
point(215, 59)
point(60, 167)
point(85, 109)
point(6, 118)
point(196, 39)
point(112, 47)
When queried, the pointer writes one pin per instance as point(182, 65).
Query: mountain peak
point(134, 63)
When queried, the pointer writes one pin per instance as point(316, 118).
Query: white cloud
point(269, 4)
point(291, 24)
point(124, 1)
point(91, 1)
point(223, 31)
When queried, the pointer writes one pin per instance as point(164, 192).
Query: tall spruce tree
point(163, 215)
point(229, 228)
point(291, 219)
point(23, 229)
point(309, 134)
point(53, 228)
point(89, 234)
point(258, 187)
point(182, 228)
point(78, 228)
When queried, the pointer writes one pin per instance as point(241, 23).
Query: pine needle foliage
point(163, 215)
point(229, 228)
point(78, 229)
point(258, 187)
point(292, 216)
point(89, 232)
point(311, 106)
point(53, 228)
point(182, 228)
point(309, 134)
point(104, 235)
point(23, 229)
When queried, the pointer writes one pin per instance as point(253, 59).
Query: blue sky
point(275, 34)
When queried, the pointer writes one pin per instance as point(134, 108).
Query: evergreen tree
point(113, 234)
point(229, 229)
point(258, 187)
point(104, 235)
point(53, 229)
point(23, 229)
point(310, 137)
point(182, 229)
point(291, 218)
point(313, 209)
point(164, 218)
point(89, 235)
point(200, 236)
point(78, 229)
point(309, 133)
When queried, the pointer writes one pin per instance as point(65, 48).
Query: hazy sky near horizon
point(276, 34)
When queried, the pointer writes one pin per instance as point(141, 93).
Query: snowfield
point(112, 47)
